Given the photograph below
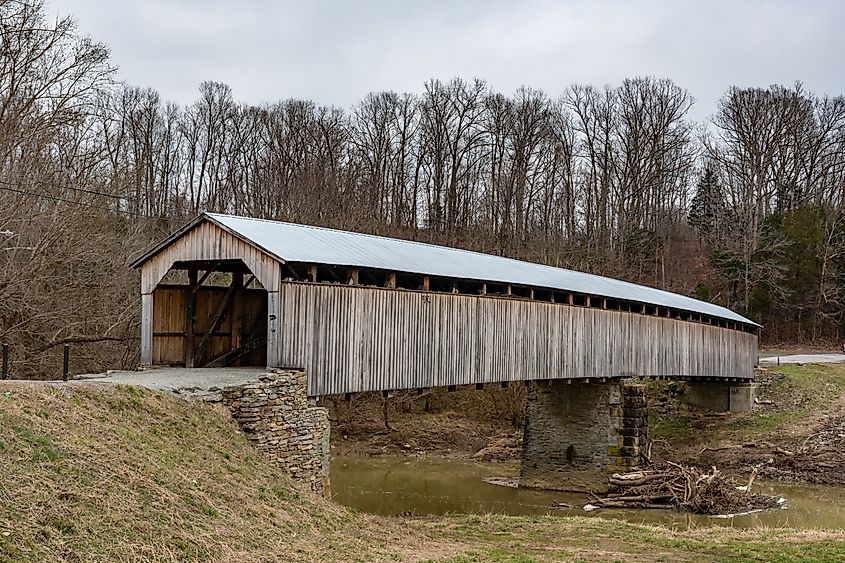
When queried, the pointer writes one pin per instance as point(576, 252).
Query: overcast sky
point(334, 52)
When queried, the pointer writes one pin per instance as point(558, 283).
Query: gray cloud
point(334, 52)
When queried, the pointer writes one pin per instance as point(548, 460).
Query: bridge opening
point(209, 314)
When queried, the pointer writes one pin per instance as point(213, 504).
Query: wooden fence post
point(66, 362)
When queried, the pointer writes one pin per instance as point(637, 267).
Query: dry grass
point(97, 473)
point(118, 474)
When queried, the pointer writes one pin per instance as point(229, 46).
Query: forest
point(744, 209)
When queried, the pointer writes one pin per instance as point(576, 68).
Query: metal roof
point(290, 242)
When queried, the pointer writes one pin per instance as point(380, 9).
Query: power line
point(83, 190)
point(83, 204)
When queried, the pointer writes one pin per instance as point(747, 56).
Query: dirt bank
point(465, 424)
point(796, 433)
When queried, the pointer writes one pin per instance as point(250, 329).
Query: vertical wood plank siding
point(209, 242)
point(352, 339)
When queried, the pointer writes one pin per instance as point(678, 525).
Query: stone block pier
point(274, 414)
point(577, 433)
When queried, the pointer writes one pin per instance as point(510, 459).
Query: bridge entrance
point(209, 315)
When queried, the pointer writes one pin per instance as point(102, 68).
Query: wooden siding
point(208, 242)
point(352, 339)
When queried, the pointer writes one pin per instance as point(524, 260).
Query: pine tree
point(706, 209)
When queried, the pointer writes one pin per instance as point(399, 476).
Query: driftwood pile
point(672, 485)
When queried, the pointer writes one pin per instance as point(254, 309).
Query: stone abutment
point(274, 414)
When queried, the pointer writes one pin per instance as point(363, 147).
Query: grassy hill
point(103, 473)
point(97, 473)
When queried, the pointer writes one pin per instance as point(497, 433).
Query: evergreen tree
point(706, 209)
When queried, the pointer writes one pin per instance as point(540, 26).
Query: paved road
point(804, 359)
point(196, 382)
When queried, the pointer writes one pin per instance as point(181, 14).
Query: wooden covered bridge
point(365, 313)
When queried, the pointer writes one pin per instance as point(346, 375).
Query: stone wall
point(273, 412)
point(576, 433)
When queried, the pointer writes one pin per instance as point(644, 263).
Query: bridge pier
point(719, 396)
point(577, 433)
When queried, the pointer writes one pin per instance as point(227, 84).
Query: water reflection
point(422, 486)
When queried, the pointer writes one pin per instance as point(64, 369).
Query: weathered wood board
point(352, 339)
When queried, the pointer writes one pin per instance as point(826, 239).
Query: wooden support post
point(570, 299)
point(190, 317)
point(312, 273)
point(604, 303)
point(509, 290)
point(215, 322)
point(531, 293)
point(483, 290)
point(353, 277)
point(391, 280)
point(426, 283)
point(586, 301)
point(236, 312)
point(552, 296)
point(66, 362)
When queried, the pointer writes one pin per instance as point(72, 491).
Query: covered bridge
point(364, 313)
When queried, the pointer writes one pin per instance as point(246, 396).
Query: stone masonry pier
point(273, 412)
point(577, 433)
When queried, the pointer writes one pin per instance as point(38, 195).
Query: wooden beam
point(190, 317)
point(391, 280)
point(353, 277)
point(312, 273)
point(509, 290)
point(483, 290)
point(198, 283)
point(571, 299)
point(586, 301)
point(236, 312)
point(426, 283)
point(218, 316)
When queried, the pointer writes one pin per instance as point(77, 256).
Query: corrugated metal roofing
point(291, 242)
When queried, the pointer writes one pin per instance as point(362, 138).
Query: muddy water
point(421, 486)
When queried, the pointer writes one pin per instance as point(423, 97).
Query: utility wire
point(83, 204)
point(83, 190)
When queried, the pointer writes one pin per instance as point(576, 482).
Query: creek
point(422, 486)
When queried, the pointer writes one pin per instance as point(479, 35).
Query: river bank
point(796, 433)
